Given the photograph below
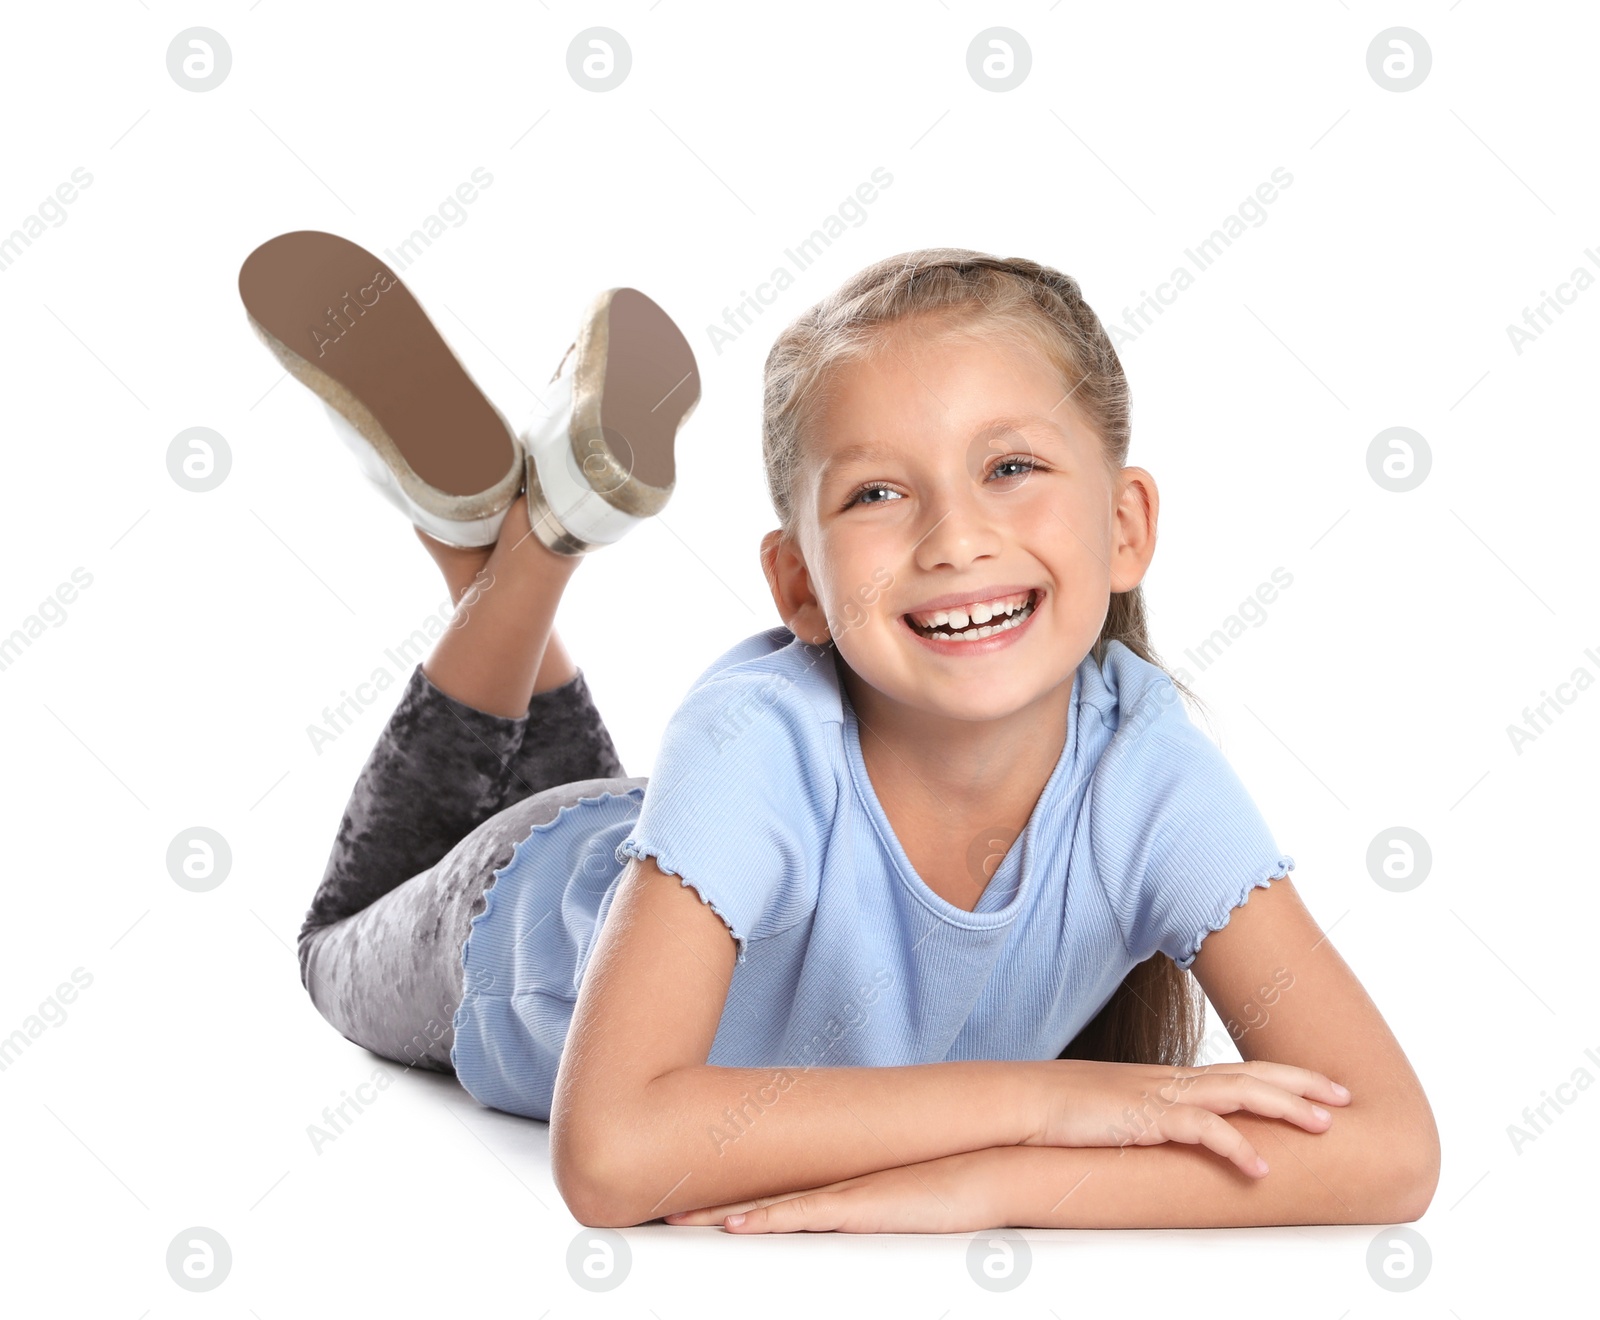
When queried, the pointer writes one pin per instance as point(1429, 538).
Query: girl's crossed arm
point(641, 1126)
point(1375, 1162)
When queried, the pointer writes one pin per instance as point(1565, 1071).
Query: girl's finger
point(1224, 1094)
point(715, 1214)
point(814, 1212)
point(1201, 1127)
point(1302, 1081)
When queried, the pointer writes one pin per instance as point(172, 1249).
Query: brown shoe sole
point(344, 325)
point(634, 382)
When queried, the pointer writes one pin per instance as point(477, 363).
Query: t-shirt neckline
point(1020, 851)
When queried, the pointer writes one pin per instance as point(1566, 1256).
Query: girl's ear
point(790, 584)
point(1133, 540)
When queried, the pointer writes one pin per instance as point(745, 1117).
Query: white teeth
point(980, 612)
point(1015, 619)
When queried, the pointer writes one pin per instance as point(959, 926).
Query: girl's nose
point(958, 529)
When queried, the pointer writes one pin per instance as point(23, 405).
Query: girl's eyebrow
point(845, 457)
point(840, 459)
point(1032, 422)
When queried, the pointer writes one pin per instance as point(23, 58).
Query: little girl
point(898, 936)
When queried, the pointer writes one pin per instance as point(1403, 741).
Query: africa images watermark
point(1540, 718)
point(1252, 610)
point(1251, 1016)
point(453, 209)
point(738, 715)
point(403, 656)
point(337, 1119)
point(741, 1118)
point(52, 209)
point(353, 304)
point(52, 610)
point(1202, 256)
point(51, 1012)
point(1538, 318)
point(1536, 1119)
point(741, 316)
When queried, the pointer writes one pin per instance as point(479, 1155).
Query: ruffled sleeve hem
point(1284, 865)
point(639, 851)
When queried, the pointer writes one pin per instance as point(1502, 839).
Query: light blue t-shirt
point(1143, 839)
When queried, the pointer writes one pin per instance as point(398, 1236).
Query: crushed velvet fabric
point(442, 800)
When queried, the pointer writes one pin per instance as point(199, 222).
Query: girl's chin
point(940, 697)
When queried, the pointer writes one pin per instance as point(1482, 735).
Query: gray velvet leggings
point(446, 794)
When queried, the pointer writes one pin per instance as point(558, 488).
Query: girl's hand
point(949, 1195)
point(1132, 1104)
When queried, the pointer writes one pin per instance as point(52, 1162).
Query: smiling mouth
point(976, 632)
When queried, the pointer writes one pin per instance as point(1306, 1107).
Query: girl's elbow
point(595, 1196)
point(594, 1202)
point(577, 1176)
point(600, 1213)
point(1423, 1184)
point(1416, 1169)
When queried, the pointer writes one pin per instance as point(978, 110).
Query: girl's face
point(953, 467)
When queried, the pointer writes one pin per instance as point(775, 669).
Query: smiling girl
point(902, 933)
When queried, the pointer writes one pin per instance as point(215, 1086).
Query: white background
point(178, 689)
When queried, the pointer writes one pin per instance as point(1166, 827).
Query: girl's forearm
point(1314, 1178)
point(705, 1134)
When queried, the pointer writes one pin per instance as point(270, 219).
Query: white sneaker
point(420, 428)
point(602, 461)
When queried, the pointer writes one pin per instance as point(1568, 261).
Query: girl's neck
point(955, 776)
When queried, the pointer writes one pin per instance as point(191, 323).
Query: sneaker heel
point(603, 460)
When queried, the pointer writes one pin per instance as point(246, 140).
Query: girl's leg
point(389, 977)
point(437, 771)
point(492, 657)
point(444, 794)
point(563, 738)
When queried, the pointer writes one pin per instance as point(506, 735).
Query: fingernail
point(1319, 1111)
point(1343, 1092)
point(735, 1220)
point(1261, 1165)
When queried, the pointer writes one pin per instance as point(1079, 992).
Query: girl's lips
point(984, 645)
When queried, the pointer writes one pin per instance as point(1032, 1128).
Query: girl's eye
point(1015, 461)
point(867, 490)
point(1026, 464)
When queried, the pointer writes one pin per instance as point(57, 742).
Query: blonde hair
point(1154, 1016)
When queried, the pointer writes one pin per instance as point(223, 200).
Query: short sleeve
point(741, 801)
point(1178, 842)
